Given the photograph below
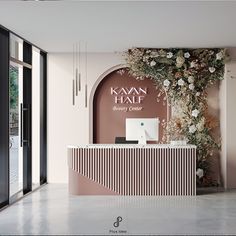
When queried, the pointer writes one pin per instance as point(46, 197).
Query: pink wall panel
point(108, 123)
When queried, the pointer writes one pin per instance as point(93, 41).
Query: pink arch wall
point(109, 123)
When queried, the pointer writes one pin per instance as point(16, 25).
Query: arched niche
point(107, 121)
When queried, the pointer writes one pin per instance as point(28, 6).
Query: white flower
point(190, 79)
point(191, 86)
point(187, 55)
point(212, 69)
point(193, 64)
point(219, 56)
point(192, 129)
point(211, 52)
point(154, 54)
point(195, 112)
point(180, 61)
point(197, 94)
point(153, 63)
point(166, 82)
point(145, 58)
point(200, 125)
point(169, 54)
point(200, 173)
point(180, 82)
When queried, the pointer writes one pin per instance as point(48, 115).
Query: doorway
point(20, 125)
point(15, 128)
point(23, 119)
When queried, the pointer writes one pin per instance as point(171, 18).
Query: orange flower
point(178, 75)
point(211, 122)
point(178, 124)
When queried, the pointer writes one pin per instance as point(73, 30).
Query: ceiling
point(110, 26)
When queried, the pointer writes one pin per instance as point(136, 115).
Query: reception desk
point(132, 170)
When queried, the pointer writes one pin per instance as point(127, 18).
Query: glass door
point(15, 128)
point(20, 127)
point(23, 117)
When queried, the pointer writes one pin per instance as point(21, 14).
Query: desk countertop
point(131, 146)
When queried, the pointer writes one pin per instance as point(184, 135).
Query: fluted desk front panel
point(155, 170)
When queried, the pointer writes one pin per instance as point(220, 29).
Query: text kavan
point(130, 95)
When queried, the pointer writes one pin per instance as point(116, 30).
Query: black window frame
point(5, 60)
point(4, 117)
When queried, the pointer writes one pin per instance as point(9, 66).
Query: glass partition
point(23, 123)
point(16, 47)
point(15, 128)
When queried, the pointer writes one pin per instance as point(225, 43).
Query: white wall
point(67, 124)
point(231, 127)
point(228, 125)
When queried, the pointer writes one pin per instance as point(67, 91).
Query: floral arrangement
point(184, 75)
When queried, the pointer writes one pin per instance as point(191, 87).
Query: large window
point(23, 117)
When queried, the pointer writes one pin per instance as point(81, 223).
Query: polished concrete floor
point(51, 210)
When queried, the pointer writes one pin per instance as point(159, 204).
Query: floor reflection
point(51, 210)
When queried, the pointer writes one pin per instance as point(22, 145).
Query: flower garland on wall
point(184, 75)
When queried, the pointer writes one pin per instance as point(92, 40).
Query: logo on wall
point(128, 96)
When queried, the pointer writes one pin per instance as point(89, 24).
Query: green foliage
point(13, 83)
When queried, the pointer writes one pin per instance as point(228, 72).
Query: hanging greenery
point(184, 75)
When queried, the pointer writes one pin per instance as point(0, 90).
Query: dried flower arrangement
point(184, 75)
